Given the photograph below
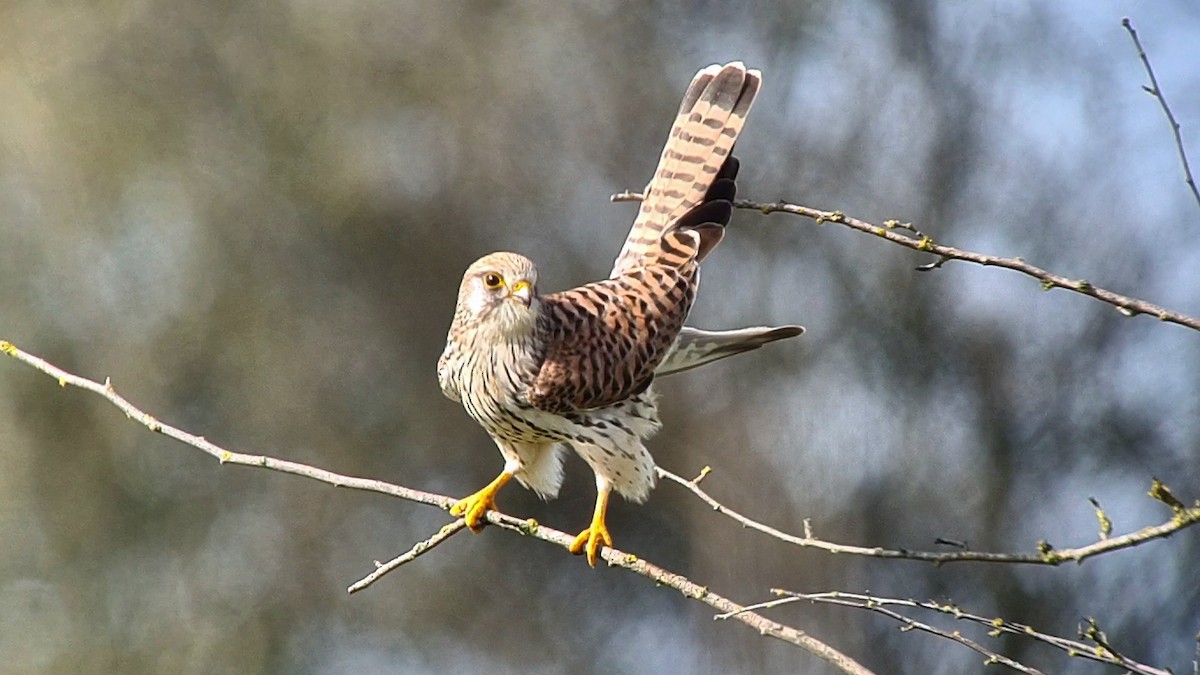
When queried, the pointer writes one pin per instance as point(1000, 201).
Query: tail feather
point(695, 157)
point(692, 236)
point(695, 347)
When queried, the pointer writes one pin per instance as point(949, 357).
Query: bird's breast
point(492, 382)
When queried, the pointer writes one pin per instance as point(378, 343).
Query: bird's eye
point(493, 281)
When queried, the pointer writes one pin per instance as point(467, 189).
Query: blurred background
point(254, 216)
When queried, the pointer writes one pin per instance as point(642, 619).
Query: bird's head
point(500, 290)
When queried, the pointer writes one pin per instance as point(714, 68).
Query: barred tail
point(693, 161)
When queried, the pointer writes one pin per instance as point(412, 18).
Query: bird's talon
point(474, 508)
point(590, 541)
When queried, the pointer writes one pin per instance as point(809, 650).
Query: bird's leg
point(474, 508)
point(596, 535)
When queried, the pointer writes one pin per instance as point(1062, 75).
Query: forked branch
point(1092, 646)
point(918, 241)
point(1182, 517)
point(530, 528)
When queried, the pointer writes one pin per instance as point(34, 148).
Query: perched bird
point(574, 368)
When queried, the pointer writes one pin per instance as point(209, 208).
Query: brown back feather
point(604, 340)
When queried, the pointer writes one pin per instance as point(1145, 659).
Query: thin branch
point(1090, 630)
point(1157, 92)
point(419, 549)
point(1128, 306)
point(877, 605)
point(1097, 649)
point(1182, 517)
point(530, 528)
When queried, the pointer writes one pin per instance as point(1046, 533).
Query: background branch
point(1127, 305)
point(907, 623)
point(1157, 92)
point(1182, 517)
point(614, 557)
point(1099, 650)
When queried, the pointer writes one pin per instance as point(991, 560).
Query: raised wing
point(709, 120)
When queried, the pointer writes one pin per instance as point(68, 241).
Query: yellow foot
point(474, 509)
point(590, 540)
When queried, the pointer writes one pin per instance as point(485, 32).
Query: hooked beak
point(522, 291)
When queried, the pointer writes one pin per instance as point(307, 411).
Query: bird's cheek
point(479, 303)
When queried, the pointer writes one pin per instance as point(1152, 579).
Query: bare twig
point(1157, 92)
point(531, 528)
point(1046, 555)
point(1196, 659)
point(1128, 306)
point(1098, 650)
point(1090, 630)
point(419, 549)
point(878, 605)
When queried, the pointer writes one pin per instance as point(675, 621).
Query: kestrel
point(574, 368)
